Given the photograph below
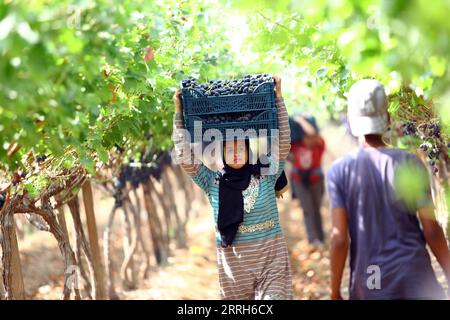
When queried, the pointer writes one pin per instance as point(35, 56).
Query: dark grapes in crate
point(247, 103)
point(230, 117)
point(216, 88)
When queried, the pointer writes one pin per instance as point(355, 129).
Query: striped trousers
point(257, 270)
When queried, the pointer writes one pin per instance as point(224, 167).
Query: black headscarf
point(231, 202)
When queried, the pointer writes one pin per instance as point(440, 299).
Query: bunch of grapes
point(433, 130)
point(429, 134)
point(119, 148)
point(139, 173)
point(41, 158)
point(154, 168)
point(215, 88)
point(409, 128)
point(2, 199)
point(119, 184)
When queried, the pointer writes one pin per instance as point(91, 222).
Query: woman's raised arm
point(183, 151)
point(283, 122)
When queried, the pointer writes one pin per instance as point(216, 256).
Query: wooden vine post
point(18, 289)
point(62, 220)
point(12, 268)
point(100, 293)
point(159, 249)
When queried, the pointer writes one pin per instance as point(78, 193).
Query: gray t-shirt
point(386, 238)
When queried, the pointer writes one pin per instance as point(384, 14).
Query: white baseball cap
point(367, 108)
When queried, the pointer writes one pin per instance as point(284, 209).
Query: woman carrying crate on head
point(252, 255)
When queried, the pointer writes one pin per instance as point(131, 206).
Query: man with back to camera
point(385, 237)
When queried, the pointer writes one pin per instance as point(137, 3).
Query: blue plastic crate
point(197, 107)
point(264, 120)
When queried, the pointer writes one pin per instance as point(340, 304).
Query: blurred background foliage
point(322, 47)
point(94, 74)
point(327, 45)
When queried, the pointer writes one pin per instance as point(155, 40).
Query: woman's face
point(236, 155)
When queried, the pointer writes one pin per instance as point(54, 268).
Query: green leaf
point(411, 184)
point(103, 155)
point(31, 189)
point(438, 65)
